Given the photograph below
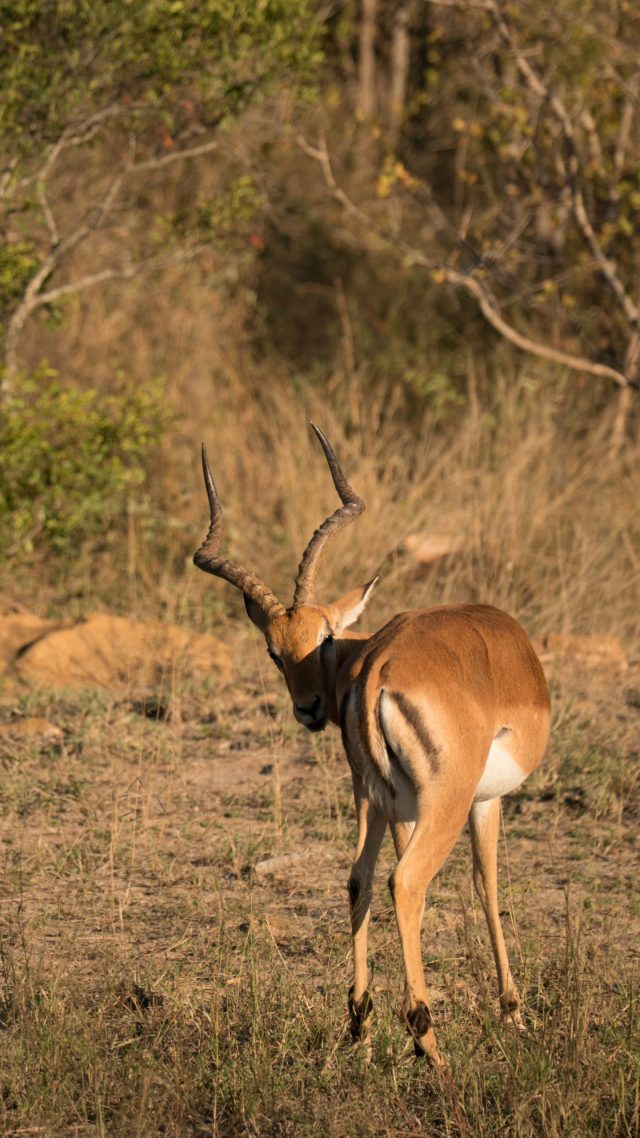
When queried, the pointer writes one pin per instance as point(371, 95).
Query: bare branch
point(48, 213)
point(126, 272)
point(74, 134)
point(606, 265)
point(35, 295)
point(466, 281)
point(321, 154)
point(576, 363)
point(174, 156)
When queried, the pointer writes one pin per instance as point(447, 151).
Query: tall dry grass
point(548, 526)
point(521, 476)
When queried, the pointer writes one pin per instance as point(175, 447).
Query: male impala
point(442, 711)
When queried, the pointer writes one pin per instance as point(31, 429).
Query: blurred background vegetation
point(415, 222)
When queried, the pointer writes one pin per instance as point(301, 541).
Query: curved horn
point(352, 507)
point(206, 557)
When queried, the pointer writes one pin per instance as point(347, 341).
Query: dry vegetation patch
point(175, 945)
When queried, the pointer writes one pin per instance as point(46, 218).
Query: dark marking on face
point(501, 732)
point(412, 717)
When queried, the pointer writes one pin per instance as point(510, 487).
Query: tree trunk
point(367, 60)
point(399, 67)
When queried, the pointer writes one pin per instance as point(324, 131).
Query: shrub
point(68, 460)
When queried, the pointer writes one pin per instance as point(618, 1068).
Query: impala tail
point(378, 750)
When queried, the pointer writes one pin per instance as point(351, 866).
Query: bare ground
point(185, 857)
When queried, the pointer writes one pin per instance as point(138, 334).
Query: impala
point(442, 711)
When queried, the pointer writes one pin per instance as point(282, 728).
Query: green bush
point(68, 461)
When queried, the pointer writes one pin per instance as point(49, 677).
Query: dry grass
point(549, 527)
point(154, 983)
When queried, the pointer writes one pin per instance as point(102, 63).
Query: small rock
point(426, 548)
point(278, 864)
point(112, 652)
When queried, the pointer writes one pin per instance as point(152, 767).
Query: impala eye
point(327, 642)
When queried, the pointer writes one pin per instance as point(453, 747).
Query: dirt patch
point(174, 888)
point(17, 631)
point(105, 651)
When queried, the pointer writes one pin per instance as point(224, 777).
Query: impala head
point(300, 639)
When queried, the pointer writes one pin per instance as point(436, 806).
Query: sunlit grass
point(154, 983)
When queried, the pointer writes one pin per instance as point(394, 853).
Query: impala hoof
point(431, 1056)
point(419, 1022)
point(511, 1017)
point(360, 1017)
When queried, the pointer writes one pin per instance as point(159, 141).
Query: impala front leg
point(371, 827)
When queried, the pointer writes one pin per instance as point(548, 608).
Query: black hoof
point(359, 1012)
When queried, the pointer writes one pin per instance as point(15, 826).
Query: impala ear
point(255, 613)
point(350, 606)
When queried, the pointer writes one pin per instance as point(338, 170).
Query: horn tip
point(321, 436)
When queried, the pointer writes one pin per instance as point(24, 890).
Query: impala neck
point(348, 646)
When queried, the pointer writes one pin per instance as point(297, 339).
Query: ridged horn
point(352, 507)
point(206, 557)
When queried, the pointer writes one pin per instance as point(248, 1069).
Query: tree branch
point(35, 296)
point(535, 83)
point(576, 363)
point(467, 281)
point(174, 156)
point(124, 273)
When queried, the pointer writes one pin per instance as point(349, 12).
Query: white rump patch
point(502, 773)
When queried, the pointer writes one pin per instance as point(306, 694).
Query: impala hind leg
point(371, 827)
point(484, 827)
point(426, 852)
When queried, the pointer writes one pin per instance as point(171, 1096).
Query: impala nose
point(312, 710)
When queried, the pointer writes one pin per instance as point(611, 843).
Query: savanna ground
point(158, 979)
